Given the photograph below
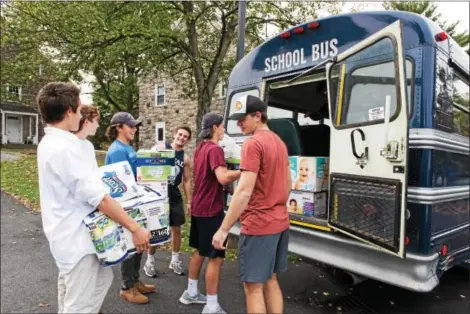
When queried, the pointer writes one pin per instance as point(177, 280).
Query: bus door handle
point(361, 159)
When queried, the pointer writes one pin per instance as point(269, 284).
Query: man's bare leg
point(175, 263)
point(273, 296)
point(195, 265)
point(254, 297)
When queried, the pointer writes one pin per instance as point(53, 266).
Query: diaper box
point(155, 165)
point(307, 204)
point(309, 173)
point(118, 180)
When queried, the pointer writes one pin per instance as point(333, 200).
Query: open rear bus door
point(369, 139)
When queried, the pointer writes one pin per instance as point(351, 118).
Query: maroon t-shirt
point(208, 194)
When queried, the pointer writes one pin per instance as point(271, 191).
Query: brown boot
point(134, 296)
point(144, 288)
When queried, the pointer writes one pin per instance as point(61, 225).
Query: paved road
point(28, 282)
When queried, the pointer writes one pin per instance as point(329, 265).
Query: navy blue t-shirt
point(174, 193)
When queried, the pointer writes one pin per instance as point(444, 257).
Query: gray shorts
point(261, 256)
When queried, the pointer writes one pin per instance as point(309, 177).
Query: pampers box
point(119, 181)
point(155, 209)
point(307, 204)
point(309, 173)
point(111, 247)
point(155, 165)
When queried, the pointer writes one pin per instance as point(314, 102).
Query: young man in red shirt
point(210, 175)
point(260, 203)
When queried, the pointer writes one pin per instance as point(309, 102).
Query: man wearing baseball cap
point(260, 202)
point(122, 132)
point(210, 174)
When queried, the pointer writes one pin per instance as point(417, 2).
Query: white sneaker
point(217, 310)
point(187, 299)
point(176, 266)
point(149, 269)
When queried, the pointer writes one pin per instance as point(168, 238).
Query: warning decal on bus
point(376, 113)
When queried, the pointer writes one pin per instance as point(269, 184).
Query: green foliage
point(121, 43)
point(430, 10)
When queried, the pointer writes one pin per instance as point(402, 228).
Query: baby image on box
point(294, 208)
point(304, 175)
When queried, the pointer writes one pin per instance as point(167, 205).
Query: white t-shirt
point(89, 153)
point(68, 193)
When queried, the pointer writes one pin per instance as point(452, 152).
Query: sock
point(212, 301)
point(175, 257)
point(151, 258)
point(192, 287)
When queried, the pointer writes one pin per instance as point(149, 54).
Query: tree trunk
point(204, 101)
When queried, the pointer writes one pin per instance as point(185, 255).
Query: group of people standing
point(68, 193)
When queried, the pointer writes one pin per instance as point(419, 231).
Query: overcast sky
point(451, 11)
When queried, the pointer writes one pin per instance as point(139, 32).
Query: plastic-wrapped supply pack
point(119, 181)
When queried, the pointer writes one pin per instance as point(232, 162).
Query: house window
point(14, 92)
point(223, 89)
point(160, 132)
point(159, 95)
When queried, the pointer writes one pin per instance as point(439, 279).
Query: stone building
point(163, 106)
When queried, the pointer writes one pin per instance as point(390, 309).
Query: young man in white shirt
point(88, 125)
point(68, 193)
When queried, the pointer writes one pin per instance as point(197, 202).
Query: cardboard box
point(158, 186)
point(309, 173)
point(307, 204)
point(154, 208)
point(155, 165)
point(118, 180)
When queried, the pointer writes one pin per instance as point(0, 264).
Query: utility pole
point(241, 29)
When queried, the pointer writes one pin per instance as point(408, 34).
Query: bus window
point(277, 113)
point(232, 127)
point(460, 97)
point(359, 92)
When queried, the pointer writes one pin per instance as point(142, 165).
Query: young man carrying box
point(122, 132)
point(260, 201)
point(68, 193)
point(210, 174)
point(177, 216)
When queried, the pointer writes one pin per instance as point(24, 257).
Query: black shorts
point(177, 216)
point(202, 231)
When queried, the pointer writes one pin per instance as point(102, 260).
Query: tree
point(123, 42)
point(430, 10)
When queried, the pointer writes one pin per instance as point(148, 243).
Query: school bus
point(383, 95)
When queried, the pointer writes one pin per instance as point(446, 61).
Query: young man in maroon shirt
point(210, 174)
point(260, 202)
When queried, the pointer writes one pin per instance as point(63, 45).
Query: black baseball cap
point(247, 104)
point(208, 121)
point(125, 118)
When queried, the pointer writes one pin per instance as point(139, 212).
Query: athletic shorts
point(177, 215)
point(201, 234)
point(260, 256)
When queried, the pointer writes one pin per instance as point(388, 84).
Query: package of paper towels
point(118, 179)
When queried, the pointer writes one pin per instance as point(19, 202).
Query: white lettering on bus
point(294, 58)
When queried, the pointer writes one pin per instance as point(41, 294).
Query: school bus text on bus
point(294, 58)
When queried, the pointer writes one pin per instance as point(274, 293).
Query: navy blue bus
point(385, 96)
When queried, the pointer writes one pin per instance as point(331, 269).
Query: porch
point(19, 124)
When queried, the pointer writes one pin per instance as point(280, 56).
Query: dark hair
point(264, 116)
point(293, 200)
point(186, 128)
point(211, 133)
point(88, 113)
point(112, 132)
point(55, 98)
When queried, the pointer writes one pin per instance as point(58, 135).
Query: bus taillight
point(444, 250)
point(285, 35)
point(313, 25)
point(442, 36)
point(298, 30)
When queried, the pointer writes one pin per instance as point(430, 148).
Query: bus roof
point(310, 43)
